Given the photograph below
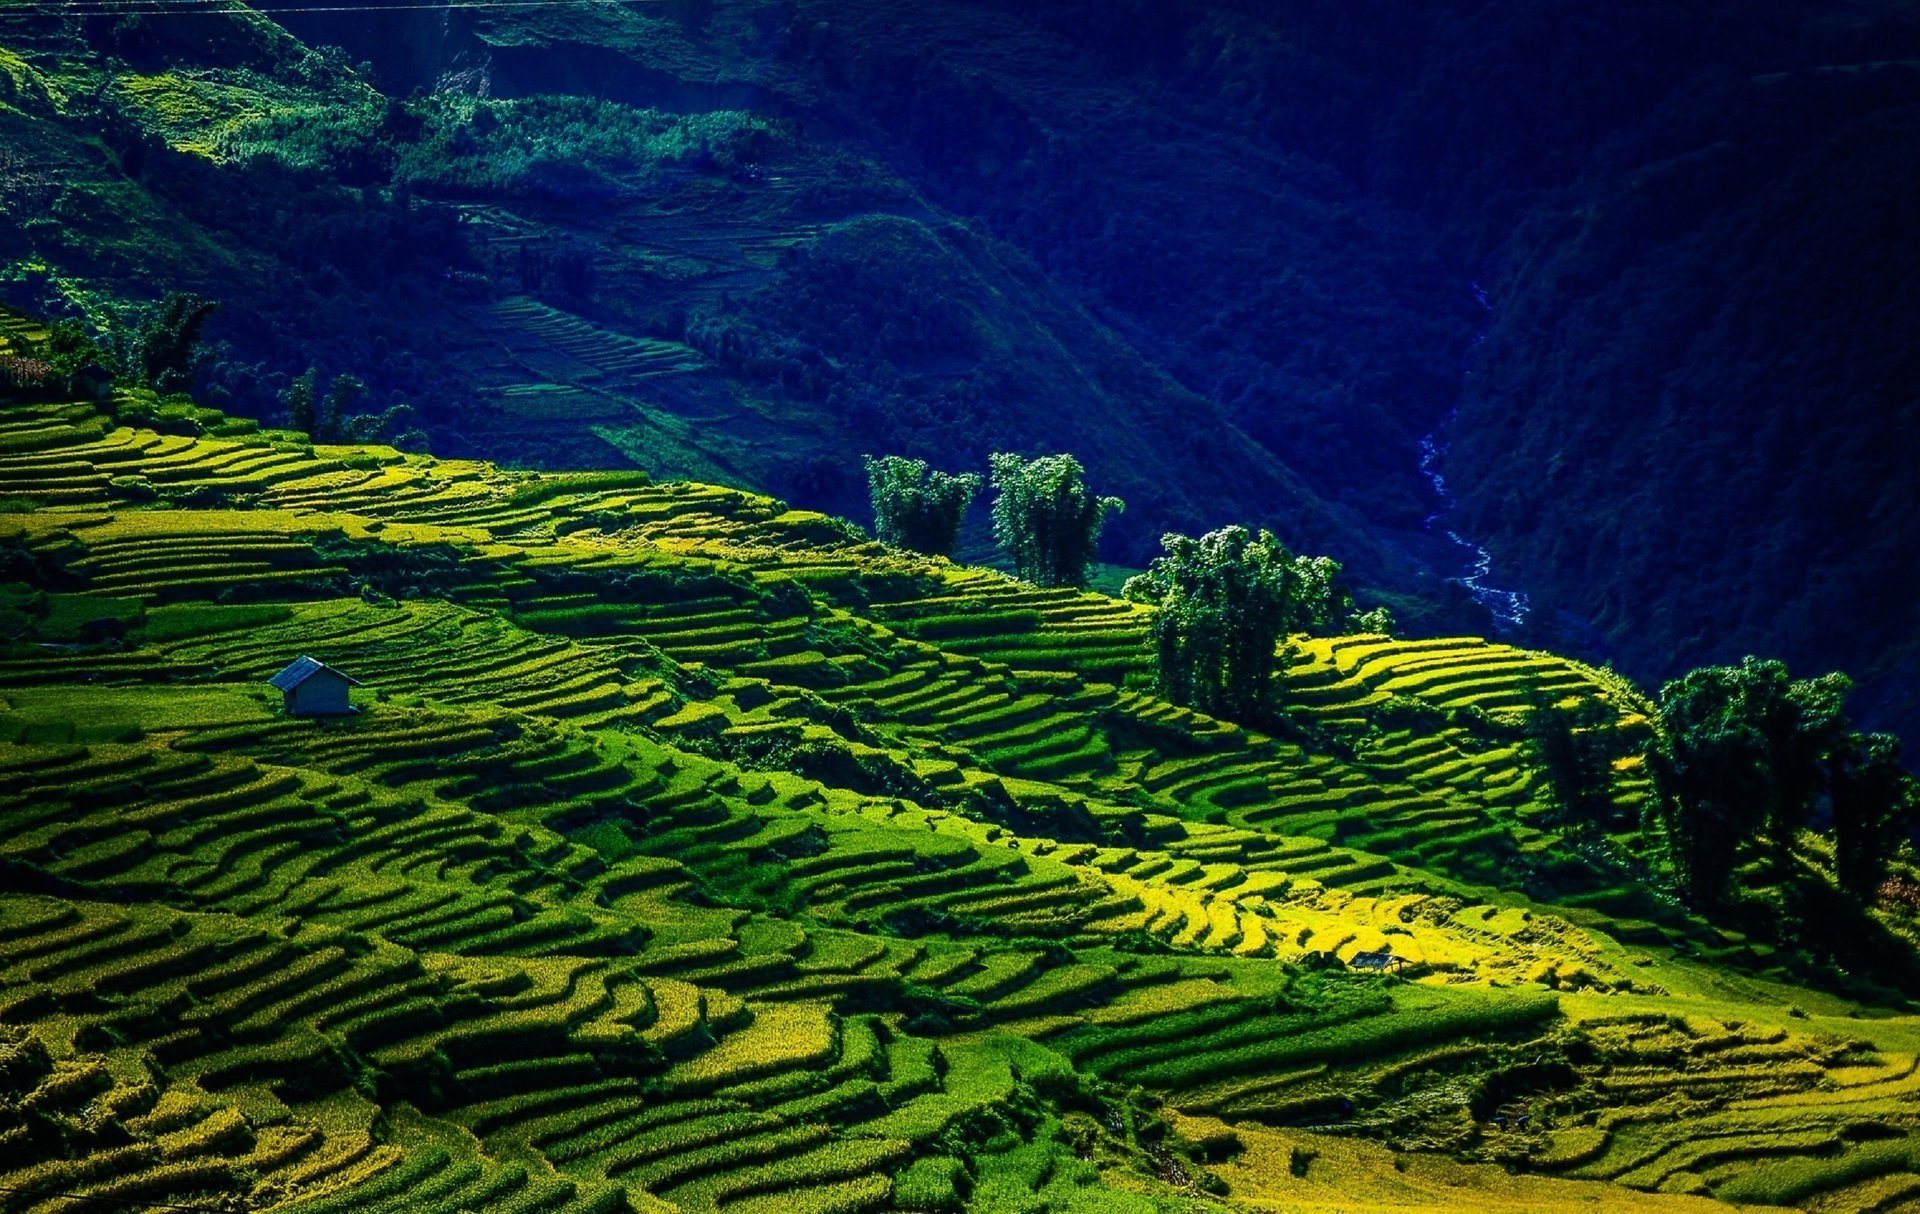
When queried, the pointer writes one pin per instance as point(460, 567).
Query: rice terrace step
point(682, 850)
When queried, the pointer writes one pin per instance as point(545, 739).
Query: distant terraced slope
point(688, 849)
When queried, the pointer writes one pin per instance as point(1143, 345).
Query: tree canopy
point(166, 350)
point(1227, 602)
point(302, 407)
point(342, 396)
point(1045, 519)
point(917, 507)
point(1750, 753)
point(1875, 802)
point(337, 417)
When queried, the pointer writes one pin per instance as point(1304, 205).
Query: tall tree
point(299, 398)
point(918, 508)
point(1748, 753)
point(1716, 768)
point(1045, 519)
point(1811, 740)
point(1225, 602)
point(167, 350)
point(342, 395)
point(1875, 805)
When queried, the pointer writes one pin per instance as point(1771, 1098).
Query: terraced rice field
point(687, 850)
point(609, 357)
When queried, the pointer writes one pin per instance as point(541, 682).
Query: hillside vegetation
point(1227, 250)
point(688, 849)
point(573, 272)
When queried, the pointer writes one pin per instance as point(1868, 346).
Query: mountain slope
point(1227, 250)
point(1738, 303)
point(690, 848)
point(1688, 222)
point(752, 294)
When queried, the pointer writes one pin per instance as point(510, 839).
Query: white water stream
point(1509, 607)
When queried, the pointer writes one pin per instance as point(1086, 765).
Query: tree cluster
point(161, 347)
point(1227, 602)
point(1045, 519)
point(158, 347)
point(917, 507)
point(54, 363)
point(334, 418)
point(1751, 754)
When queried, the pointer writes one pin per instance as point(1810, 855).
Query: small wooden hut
point(314, 689)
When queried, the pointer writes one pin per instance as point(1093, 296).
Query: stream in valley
point(1509, 607)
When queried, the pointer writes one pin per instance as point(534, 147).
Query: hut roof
point(300, 670)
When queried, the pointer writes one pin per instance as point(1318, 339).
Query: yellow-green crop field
point(689, 851)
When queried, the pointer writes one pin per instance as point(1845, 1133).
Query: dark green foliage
point(1323, 604)
point(1045, 519)
point(1374, 619)
point(1750, 754)
point(166, 351)
point(342, 395)
point(302, 412)
point(69, 349)
point(1875, 803)
point(336, 417)
point(565, 148)
point(1226, 602)
point(36, 565)
point(1572, 743)
point(918, 508)
point(63, 364)
point(396, 425)
point(1730, 744)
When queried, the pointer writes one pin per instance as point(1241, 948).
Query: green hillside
point(570, 277)
point(690, 851)
point(1640, 272)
